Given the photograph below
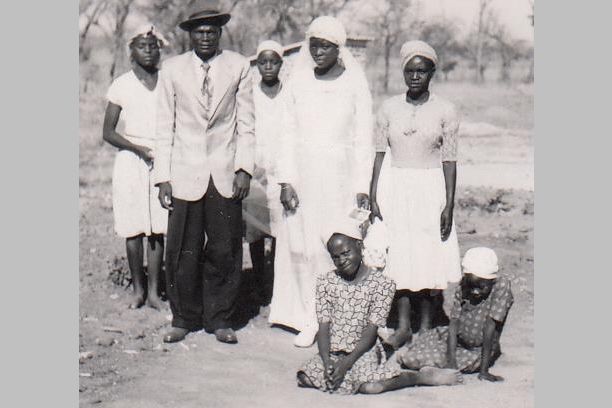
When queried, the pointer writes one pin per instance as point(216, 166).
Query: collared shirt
point(198, 64)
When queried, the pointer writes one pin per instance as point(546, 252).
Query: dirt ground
point(123, 362)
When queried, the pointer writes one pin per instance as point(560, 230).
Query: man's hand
point(242, 183)
point(165, 195)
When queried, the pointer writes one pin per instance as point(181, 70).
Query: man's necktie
point(206, 90)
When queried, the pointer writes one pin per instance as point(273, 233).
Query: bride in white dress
point(326, 154)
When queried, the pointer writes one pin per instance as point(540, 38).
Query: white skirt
point(418, 258)
point(136, 206)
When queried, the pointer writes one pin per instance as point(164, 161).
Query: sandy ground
point(123, 362)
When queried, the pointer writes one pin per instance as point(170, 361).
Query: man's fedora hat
point(208, 13)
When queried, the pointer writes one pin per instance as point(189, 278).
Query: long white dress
point(327, 151)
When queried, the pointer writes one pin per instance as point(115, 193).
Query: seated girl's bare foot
point(439, 376)
point(155, 302)
point(136, 301)
point(372, 388)
point(303, 380)
point(399, 338)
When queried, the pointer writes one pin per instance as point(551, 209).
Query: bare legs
point(155, 256)
point(425, 376)
point(424, 300)
point(155, 252)
point(403, 334)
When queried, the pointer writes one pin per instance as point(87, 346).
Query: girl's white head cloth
point(348, 227)
point(480, 261)
point(328, 28)
point(270, 45)
point(147, 29)
point(419, 48)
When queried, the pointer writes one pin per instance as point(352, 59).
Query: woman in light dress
point(420, 129)
point(262, 209)
point(326, 153)
point(137, 212)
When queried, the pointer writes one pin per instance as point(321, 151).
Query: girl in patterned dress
point(352, 302)
point(420, 130)
point(471, 341)
point(132, 97)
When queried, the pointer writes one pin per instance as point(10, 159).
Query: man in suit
point(203, 166)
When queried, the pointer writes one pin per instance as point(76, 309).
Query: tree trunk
point(387, 57)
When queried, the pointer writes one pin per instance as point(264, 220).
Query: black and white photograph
point(318, 203)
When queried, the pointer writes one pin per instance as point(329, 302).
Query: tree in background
point(442, 34)
point(508, 49)
point(479, 38)
point(394, 21)
point(89, 15)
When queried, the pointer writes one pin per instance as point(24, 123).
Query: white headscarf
point(331, 29)
point(144, 30)
point(328, 28)
point(419, 48)
point(348, 227)
point(480, 261)
point(270, 45)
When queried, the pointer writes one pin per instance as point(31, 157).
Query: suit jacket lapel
point(221, 81)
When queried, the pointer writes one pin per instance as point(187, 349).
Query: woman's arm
point(450, 180)
point(378, 161)
point(451, 348)
point(365, 343)
point(110, 135)
point(490, 327)
point(363, 144)
point(323, 343)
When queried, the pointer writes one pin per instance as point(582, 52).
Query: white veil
point(331, 29)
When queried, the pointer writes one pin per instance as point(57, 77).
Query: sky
point(513, 13)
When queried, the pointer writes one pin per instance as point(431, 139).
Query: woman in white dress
point(262, 209)
point(136, 208)
point(326, 150)
point(420, 129)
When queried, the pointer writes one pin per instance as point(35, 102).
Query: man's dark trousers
point(203, 281)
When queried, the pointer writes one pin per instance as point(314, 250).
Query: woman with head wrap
point(420, 129)
point(137, 211)
point(326, 151)
point(470, 342)
point(352, 303)
point(261, 209)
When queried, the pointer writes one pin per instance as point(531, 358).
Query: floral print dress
point(350, 308)
point(429, 349)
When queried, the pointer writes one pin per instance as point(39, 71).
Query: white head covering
point(270, 45)
point(348, 226)
point(417, 48)
point(480, 261)
point(144, 30)
point(328, 28)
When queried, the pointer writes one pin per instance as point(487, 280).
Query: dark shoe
point(175, 334)
point(226, 336)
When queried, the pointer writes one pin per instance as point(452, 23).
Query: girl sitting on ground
point(471, 341)
point(352, 302)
